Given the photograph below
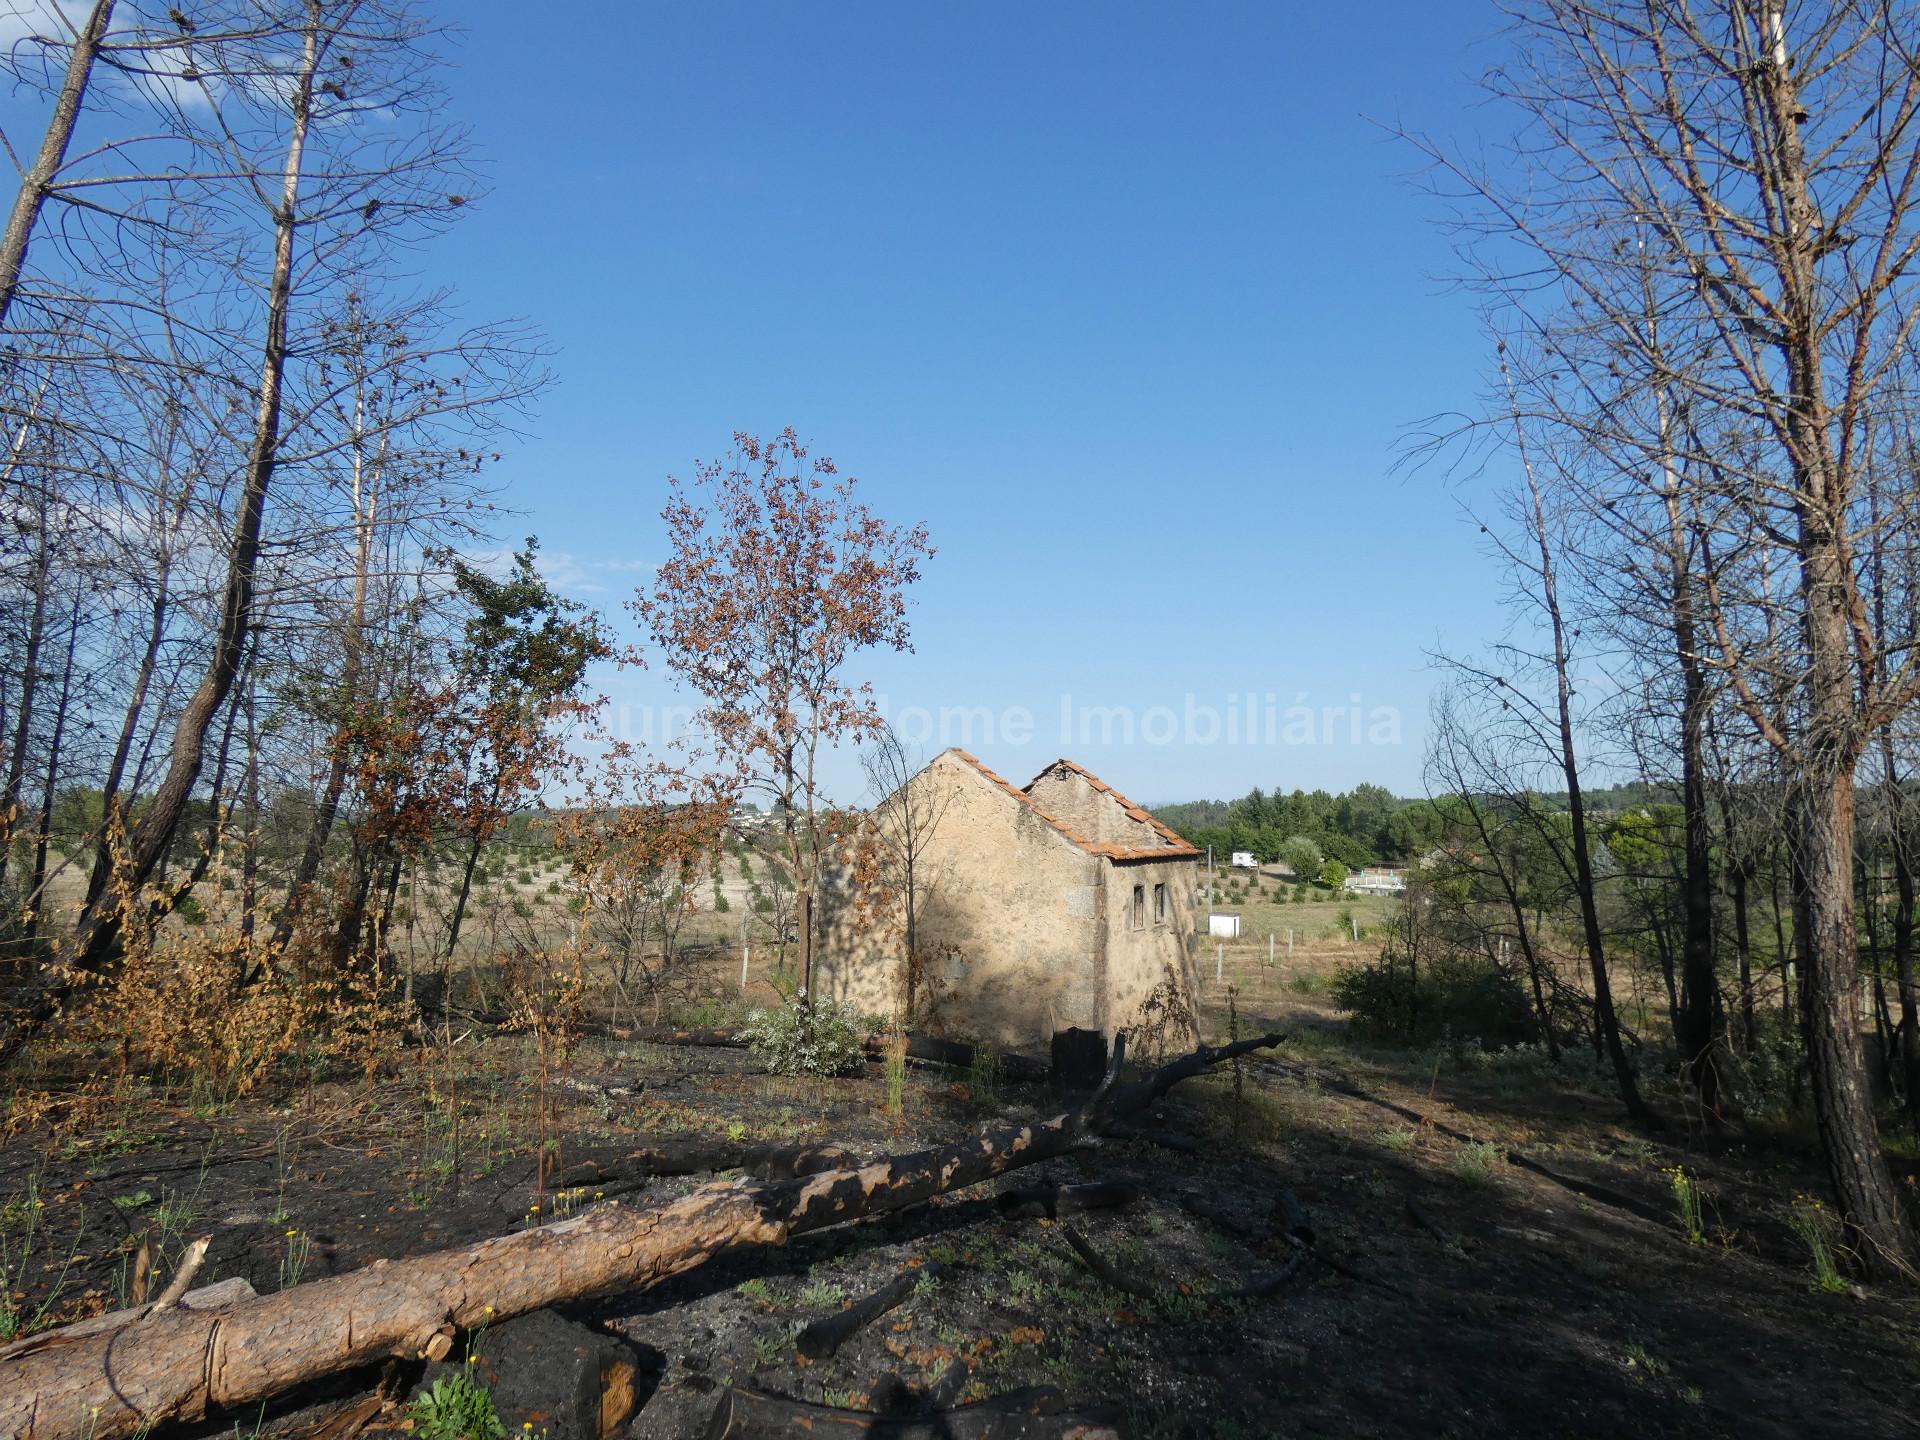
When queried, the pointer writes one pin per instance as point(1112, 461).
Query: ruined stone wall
point(1011, 915)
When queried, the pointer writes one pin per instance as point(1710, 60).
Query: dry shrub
point(188, 1008)
point(546, 997)
point(213, 1005)
point(1166, 1025)
point(218, 1005)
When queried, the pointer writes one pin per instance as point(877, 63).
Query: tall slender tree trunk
point(97, 932)
point(1696, 1024)
point(157, 613)
point(1743, 950)
point(1604, 1015)
point(156, 829)
point(11, 800)
point(1907, 1032)
point(1784, 948)
point(353, 644)
point(38, 183)
point(250, 844)
point(50, 784)
point(466, 889)
point(1701, 1031)
point(1830, 750)
point(1606, 1020)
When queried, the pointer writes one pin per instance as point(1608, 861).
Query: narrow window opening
point(1139, 907)
point(1160, 904)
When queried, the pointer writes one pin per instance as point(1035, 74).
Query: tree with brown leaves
point(777, 574)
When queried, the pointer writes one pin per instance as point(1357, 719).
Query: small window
point(1159, 904)
point(1139, 907)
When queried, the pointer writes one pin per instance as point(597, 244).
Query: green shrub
point(1465, 996)
point(821, 1037)
point(191, 911)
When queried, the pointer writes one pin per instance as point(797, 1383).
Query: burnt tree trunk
point(38, 183)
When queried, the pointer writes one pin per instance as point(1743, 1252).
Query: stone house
point(1036, 908)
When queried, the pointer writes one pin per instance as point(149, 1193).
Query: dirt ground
point(1547, 1310)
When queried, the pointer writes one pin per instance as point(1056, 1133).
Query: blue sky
point(1129, 303)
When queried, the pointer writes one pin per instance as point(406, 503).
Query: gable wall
point(1064, 792)
point(1010, 916)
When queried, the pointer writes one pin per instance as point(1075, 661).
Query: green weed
point(1686, 1200)
point(1819, 1230)
point(1476, 1161)
point(458, 1407)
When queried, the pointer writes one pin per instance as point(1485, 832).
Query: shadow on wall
point(1007, 984)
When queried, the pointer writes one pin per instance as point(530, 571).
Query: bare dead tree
point(1765, 155)
point(322, 118)
point(905, 817)
point(1473, 788)
point(42, 176)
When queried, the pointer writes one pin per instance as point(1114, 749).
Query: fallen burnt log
point(1266, 1286)
point(823, 1337)
point(702, 1157)
point(181, 1364)
point(1052, 1201)
point(209, 1297)
point(1105, 1272)
point(961, 1055)
point(890, 1395)
point(1417, 1213)
point(1165, 1139)
point(672, 1035)
point(1591, 1189)
point(1037, 1414)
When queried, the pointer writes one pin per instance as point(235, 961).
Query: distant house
point(1245, 860)
point(1039, 907)
point(1378, 880)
